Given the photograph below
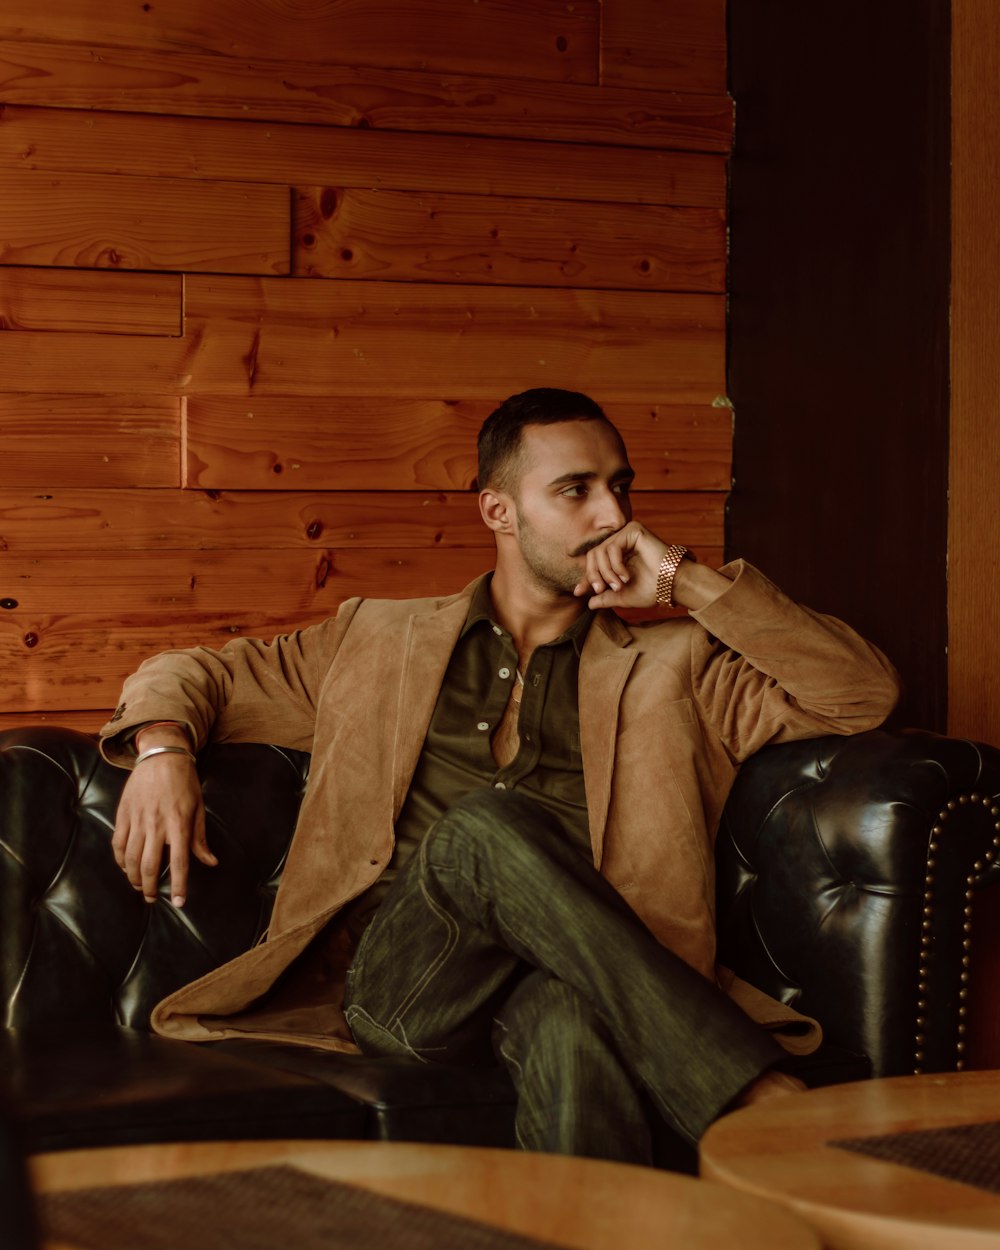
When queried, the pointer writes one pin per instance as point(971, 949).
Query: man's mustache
point(591, 543)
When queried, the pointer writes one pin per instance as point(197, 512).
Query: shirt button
point(497, 630)
point(505, 672)
point(499, 785)
point(483, 724)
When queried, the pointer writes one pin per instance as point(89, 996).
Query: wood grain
point(783, 1150)
point(103, 303)
point(76, 364)
point(570, 233)
point(65, 140)
point(392, 339)
point(973, 516)
point(425, 237)
point(680, 43)
point(119, 222)
point(286, 583)
point(279, 443)
point(670, 350)
point(35, 523)
point(182, 82)
point(78, 662)
point(546, 39)
point(88, 722)
point(57, 441)
point(267, 336)
point(82, 625)
point(580, 1204)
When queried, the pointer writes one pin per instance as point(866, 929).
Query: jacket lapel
point(605, 663)
point(429, 643)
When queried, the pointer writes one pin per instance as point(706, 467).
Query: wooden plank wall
point(265, 268)
point(974, 510)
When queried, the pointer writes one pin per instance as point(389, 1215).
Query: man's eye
point(622, 488)
point(575, 492)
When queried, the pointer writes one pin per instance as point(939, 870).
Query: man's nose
point(612, 510)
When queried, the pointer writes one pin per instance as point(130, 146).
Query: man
point(505, 850)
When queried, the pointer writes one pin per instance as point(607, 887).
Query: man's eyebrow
point(588, 475)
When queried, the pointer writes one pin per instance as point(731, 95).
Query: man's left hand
point(621, 573)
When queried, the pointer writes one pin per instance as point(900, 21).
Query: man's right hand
point(161, 806)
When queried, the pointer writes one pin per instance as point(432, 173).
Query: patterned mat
point(258, 1209)
point(969, 1153)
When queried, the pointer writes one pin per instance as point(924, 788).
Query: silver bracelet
point(162, 751)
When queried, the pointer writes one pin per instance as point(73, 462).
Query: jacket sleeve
point(765, 669)
point(247, 691)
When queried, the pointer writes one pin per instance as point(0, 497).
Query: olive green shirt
point(456, 757)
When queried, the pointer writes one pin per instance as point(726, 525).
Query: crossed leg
point(498, 920)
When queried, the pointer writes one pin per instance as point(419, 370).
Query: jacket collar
point(605, 663)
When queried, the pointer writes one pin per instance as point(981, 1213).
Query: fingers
point(161, 809)
point(119, 840)
point(136, 853)
point(199, 844)
point(607, 567)
point(621, 571)
point(179, 861)
point(150, 862)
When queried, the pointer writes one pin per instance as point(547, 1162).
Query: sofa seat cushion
point(403, 1099)
point(119, 1086)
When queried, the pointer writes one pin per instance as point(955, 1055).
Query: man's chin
point(568, 584)
point(561, 585)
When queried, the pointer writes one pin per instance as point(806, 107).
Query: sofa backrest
point(80, 947)
point(850, 874)
point(848, 871)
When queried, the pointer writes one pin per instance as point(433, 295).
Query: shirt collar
point(481, 611)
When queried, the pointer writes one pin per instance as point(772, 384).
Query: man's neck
point(532, 614)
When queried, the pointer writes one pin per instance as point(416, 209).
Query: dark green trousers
point(500, 942)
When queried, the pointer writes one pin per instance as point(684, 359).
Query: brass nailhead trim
point(928, 911)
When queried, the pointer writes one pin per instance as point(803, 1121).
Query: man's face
point(571, 492)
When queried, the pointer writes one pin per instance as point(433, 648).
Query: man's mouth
point(591, 543)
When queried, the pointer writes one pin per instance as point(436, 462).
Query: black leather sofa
point(849, 870)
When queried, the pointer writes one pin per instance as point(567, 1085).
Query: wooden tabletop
point(779, 1150)
point(578, 1203)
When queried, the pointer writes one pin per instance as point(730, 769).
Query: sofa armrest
point(848, 873)
point(80, 947)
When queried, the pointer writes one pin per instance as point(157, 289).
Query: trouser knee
point(485, 819)
point(548, 1025)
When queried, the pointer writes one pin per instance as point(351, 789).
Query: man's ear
point(497, 509)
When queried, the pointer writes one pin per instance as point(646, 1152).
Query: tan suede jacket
point(667, 712)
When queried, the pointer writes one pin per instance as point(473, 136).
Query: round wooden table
point(779, 1150)
point(578, 1203)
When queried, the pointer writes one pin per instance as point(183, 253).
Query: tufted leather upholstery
point(848, 873)
point(845, 867)
point(79, 944)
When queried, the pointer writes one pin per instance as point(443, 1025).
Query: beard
point(551, 569)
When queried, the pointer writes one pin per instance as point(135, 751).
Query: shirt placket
point(502, 676)
point(529, 721)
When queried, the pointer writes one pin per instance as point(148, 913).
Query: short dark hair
point(500, 437)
